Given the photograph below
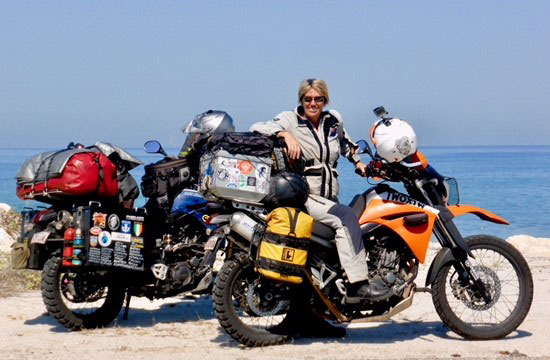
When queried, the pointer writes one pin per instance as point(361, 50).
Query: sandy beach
point(185, 328)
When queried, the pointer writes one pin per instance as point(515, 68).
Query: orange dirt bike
point(481, 286)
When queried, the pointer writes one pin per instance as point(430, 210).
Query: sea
point(511, 181)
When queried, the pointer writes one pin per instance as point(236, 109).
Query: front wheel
point(506, 276)
point(251, 310)
point(80, 298)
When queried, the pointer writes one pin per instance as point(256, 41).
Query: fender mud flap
point(443, 257)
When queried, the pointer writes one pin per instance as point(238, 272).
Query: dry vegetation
point(14, 281)
point(11, 222)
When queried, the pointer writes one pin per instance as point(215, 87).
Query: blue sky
point(462, 73)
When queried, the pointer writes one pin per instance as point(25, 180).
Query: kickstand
point(127, 307)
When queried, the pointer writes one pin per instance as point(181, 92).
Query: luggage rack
point(46, 193)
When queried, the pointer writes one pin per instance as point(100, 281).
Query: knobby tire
point(225, 311)
point(73, 320)
point(524, 297)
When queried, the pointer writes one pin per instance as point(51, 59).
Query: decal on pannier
point(107, 239)
point(234, 176)
point(283, 249)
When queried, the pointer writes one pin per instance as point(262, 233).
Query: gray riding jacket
point(320, 148)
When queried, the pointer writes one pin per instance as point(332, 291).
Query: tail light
point(46, 215)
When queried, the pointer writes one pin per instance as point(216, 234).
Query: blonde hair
point(318, 85)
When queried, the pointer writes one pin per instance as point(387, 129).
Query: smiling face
point(313, 103)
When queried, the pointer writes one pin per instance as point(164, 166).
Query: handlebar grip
point(372, 168)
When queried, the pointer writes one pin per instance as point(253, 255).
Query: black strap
point(281, 267)
point(293, 220)
point(329, 122)
point(96, 158)
point(286, 241)
point(46, 177)
point(316, 137)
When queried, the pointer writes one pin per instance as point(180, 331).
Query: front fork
point(449, 236)
point(469, 276)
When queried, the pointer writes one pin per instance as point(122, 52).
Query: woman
point(319, 136)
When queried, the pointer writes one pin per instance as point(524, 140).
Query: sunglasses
point(317, 99)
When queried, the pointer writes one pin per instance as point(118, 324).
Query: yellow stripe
point(276, 276)
point(283, 254)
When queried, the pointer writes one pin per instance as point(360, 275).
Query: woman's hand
point(361, 169)
point(293, 146)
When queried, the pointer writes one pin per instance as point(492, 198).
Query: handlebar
point(391, 171)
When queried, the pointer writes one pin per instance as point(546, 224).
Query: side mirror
point(154, 147)
point(364, 148)
point(380, 112)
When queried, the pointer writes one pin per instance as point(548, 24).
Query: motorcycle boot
point(373, 290)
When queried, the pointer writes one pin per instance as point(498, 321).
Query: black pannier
point(165, 177)
point(161, 183)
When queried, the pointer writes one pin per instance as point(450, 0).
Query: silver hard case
point(235, 177)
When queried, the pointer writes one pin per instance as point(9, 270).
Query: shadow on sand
point(182, 311)
point(192, 310)
point(385, 333)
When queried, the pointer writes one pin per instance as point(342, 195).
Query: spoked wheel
point(508, 280)
point(80, 299)
point(250, 309)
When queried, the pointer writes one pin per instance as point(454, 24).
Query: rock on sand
point(5, 239)
point(531, 246)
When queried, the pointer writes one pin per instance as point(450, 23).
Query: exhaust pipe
point(243, 225)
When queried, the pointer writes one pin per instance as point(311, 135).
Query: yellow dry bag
point(282, 253)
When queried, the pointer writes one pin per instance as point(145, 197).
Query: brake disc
point(470, 297)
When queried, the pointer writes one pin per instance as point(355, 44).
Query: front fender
point(459, 210)
point(443, 257)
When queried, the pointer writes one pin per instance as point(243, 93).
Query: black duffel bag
point(245, 143)
point(165, 177)
point(253, 143)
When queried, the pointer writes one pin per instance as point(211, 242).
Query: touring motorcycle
point(96, 252)
point(481, 286)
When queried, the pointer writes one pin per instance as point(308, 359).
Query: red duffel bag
point(52, 177)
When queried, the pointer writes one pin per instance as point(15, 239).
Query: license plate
point(40, 237)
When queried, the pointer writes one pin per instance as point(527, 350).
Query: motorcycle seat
point(323, 231)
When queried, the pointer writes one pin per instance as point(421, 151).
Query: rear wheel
point(251, 310)
point(80, 299)
point(506, 276)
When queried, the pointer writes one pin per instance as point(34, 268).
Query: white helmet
point(394, 139)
